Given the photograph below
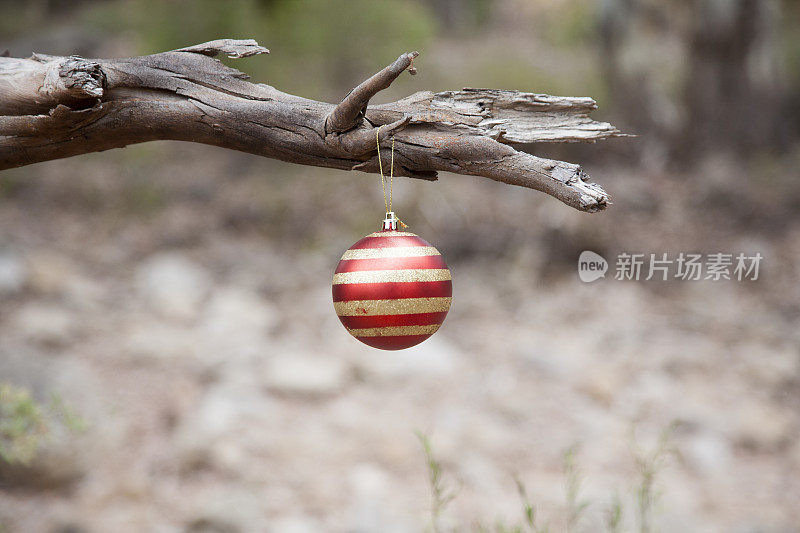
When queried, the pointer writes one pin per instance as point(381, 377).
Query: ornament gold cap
point(390, 222)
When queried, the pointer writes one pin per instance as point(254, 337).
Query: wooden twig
point(54, 107)
point(351, 110)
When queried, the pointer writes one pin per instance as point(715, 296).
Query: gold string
point(387, 205)
point(380, 166)
point(391, 176)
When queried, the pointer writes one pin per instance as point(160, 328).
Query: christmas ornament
point(392, 289)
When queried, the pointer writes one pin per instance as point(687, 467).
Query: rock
point(306, 375)
point(85, 294)
point(215, 416)
point(708, 453)
point(434, 357)
point(45, 323)
point(295, 524)
point(216, 433)
point(49, 273)
point(368, 484)
point(544, 356)
point(761, 426)
point(236, 311)
point(71, 527)
point(159, 341)
point(227, 510)
point(371, 502)
point(13, 273)
point(601, 384)
point(210, 525)
point(48, 472)
point(58, 464)
point(769, 365)
point(794, 454)
point(174, 285)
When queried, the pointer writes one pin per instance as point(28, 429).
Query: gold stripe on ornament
point(392, 234)
point(382, 253)
point(392, 276)
point(393, 331)
point(405, 306)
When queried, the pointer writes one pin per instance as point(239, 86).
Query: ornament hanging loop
point(390, 222)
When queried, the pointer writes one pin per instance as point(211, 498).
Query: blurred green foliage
point(318, 38)
point(323, 48)
point(66, 414)
point(574, 25)
point(790, 40)
point(25, 424)
point(650, 463)
point(18, 16)
point(313, 40)
point(22, 425)
point(160, 26)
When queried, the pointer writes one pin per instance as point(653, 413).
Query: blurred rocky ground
point(178, 298)
point(197, 337)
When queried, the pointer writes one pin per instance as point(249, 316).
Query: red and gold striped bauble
point(392, 290)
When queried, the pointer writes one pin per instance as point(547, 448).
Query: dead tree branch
point(350, 111)
point(56, 107)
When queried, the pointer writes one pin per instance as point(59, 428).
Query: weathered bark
point(55, 107)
